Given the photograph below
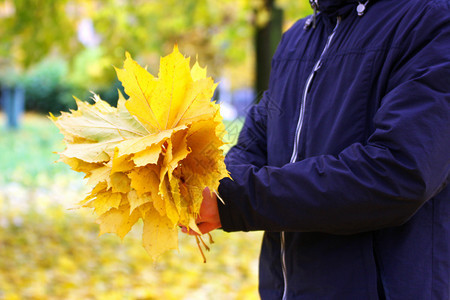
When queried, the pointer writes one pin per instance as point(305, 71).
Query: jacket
point(344, 163)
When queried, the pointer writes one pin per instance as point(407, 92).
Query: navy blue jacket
point(345, 162)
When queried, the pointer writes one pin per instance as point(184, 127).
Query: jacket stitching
point(342, 53)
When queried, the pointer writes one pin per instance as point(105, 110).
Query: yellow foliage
point(151, 157)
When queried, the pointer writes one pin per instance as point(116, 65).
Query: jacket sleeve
point(251, 146)
point(378, 184)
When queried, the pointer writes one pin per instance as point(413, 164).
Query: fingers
point(189, 232)
point(204, 228)
point(207, 227)
point(208, 218)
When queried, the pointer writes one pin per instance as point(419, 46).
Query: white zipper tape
point(298, 131)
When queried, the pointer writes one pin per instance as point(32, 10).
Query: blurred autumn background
point(53, 49)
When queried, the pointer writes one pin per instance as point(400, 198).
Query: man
point(345, 161)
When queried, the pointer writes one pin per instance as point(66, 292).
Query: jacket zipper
point(298, 131)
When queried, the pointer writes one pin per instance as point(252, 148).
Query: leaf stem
point(211, 241)
point(200, 248)
point(203, 242)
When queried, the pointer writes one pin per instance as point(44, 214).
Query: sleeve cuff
point(227, 211)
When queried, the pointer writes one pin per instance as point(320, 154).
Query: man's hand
point(208, 219)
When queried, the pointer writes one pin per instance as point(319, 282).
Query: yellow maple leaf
point(158, 234)
point(152, 156)
point(104, 201)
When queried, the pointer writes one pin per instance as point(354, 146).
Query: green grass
point(27, 154)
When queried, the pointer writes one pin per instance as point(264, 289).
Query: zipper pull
point(312, 20)
point(361, 8)
point(314, 16)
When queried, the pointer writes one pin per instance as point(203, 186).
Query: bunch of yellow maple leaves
point(151, 157)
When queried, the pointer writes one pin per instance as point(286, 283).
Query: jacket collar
point(333, 6)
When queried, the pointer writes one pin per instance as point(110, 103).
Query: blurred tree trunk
point(267, 38)
point(13, 103)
